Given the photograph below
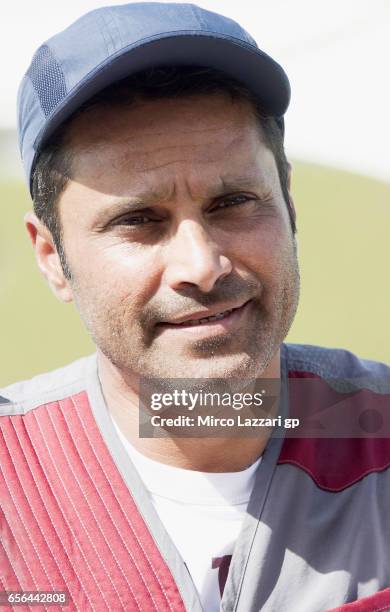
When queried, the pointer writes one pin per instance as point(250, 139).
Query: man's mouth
point(203, 320)
point(218, 322)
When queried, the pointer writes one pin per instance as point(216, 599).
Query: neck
point(201, 454)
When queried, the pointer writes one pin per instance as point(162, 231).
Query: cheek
point(265, 249)
point(117, 276)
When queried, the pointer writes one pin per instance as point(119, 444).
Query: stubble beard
point(125, 347)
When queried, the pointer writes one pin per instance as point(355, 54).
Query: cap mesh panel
point(48, 79)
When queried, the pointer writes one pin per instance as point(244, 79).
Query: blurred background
point(336, 55)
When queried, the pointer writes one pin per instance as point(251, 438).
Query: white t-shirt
point(202, 512)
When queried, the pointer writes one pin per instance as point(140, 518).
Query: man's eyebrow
point(231, 183)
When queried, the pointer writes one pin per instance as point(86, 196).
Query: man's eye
point(138, 220)
point(233, 201)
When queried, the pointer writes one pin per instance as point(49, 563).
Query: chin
point(223, 367)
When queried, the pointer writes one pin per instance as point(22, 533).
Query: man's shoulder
point(22, 396)
point(333, 363)
point(343, 404)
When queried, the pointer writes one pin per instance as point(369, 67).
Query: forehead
point(160, 139)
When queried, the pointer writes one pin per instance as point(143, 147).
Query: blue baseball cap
point(111, 43)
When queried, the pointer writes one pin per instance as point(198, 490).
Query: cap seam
point(197, 18)
point(111, 13)
point(107, 36)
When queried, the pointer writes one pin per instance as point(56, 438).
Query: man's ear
point(47, 257)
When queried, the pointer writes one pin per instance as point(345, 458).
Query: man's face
point(175, 213)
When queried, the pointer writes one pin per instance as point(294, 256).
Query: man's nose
point(194, 258)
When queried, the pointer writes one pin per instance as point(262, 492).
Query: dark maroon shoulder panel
point(335, 463)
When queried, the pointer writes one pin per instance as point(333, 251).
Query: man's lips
point(202, 317)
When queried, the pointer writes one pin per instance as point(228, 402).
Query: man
point(152, 138)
